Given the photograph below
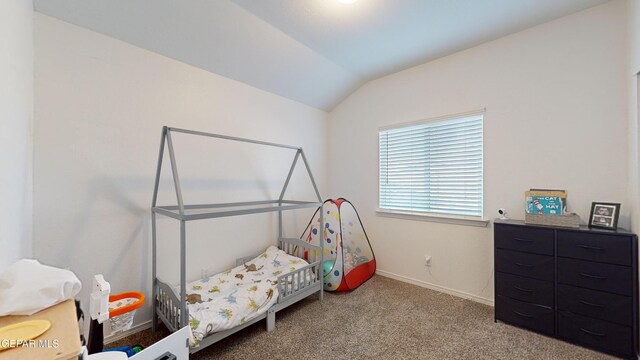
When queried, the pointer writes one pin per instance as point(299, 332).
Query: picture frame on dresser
point(604, 215)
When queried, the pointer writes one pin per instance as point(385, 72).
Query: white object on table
point(27, 287)
point(99, 304)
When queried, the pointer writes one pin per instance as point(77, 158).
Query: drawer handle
point(523, 314)
point(592, 276)
point(524, 265)
point(592, 333)
point(522, 289)
point(523, 240)
point(591, 304)
point(591, 247)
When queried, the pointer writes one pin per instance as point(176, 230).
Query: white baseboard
point(134, 329)
point(435, 287)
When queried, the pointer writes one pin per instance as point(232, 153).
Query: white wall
point(16, 120)
point(556, 117)
point(634, 104)
point(99, 108)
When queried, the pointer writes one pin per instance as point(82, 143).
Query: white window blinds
point(433, 167)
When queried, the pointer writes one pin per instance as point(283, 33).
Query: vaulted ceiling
point(312, 51)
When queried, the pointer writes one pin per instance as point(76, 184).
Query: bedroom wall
point(16, 121)
point(556, 102)
point(99, 107)
point(634, 104)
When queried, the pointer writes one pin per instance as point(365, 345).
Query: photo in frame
point(604, 215)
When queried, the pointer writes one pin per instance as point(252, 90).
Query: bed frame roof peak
point(183, 211)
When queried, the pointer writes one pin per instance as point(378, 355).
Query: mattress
point(238, 295)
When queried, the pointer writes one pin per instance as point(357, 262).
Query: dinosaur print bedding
point(238, 295)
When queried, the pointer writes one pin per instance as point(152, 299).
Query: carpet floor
point(383, 319)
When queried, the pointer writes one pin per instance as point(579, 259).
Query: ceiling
point(315, 52)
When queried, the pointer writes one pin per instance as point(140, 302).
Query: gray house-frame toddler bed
point(277, 277)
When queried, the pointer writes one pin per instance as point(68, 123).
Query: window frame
point(434, 216)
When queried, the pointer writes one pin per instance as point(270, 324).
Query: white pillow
point(27, 287)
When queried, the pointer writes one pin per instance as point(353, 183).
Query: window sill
point(433, 218)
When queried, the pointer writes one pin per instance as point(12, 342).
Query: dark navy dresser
point(578, 285)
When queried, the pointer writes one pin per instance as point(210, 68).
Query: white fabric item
point(27, 287)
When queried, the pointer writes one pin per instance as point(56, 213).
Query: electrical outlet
point(427, 260)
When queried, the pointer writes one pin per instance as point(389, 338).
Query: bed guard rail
point(302, 249)
point(168, 305)
point(294, 282)
point(304, 278)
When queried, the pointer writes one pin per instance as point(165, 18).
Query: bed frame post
point(284, 189)
point(174, 172)
point(321, 229)
point(183, 275)
point(279, 224)
point(321, 238)
point(154, 283)
point(159, 167)
point(286, 182)
point(271, 319)
point(313, 181)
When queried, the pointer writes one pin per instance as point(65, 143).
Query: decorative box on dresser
point(578, 285)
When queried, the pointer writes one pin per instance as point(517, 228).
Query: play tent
point(348, 257)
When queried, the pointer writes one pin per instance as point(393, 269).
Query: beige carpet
point(383, 319)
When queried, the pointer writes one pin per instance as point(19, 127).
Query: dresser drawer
point(534, 317)
point(595, 247)
point(528, 239)
point(596, 304)
point(605, 277)
point(597, 334)
point(525, 289)
point(529, 265)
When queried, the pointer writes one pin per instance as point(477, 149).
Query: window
point(433, 168)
